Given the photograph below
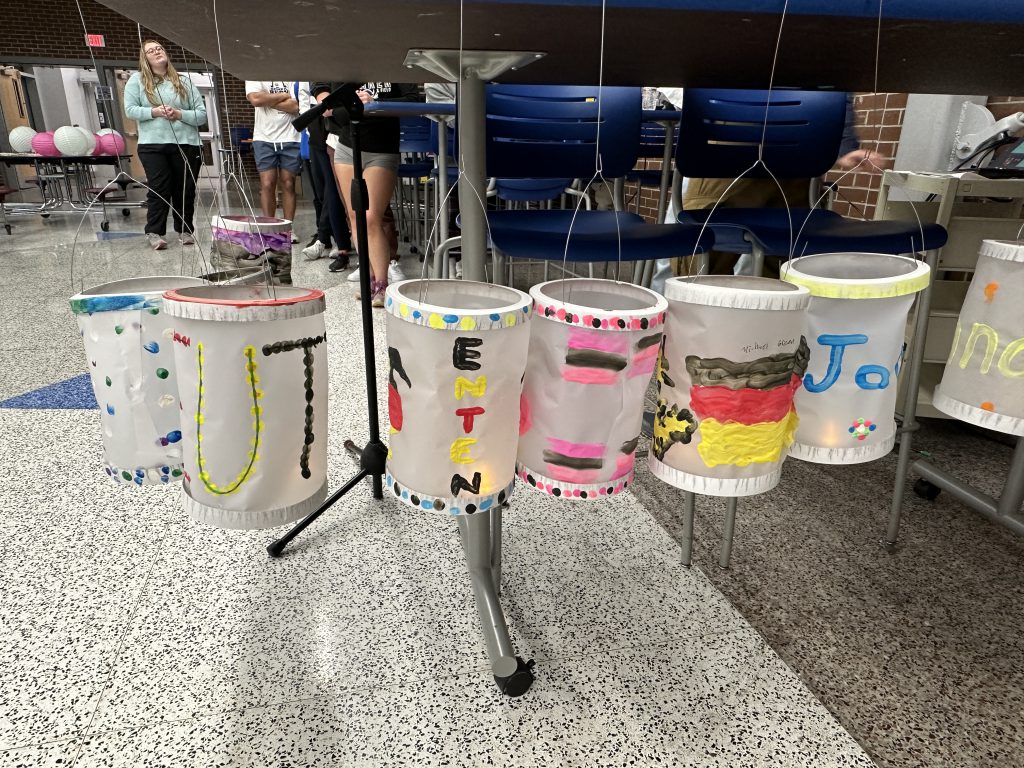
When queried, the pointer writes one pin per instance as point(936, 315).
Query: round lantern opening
point(141, 285)
point(442, 295)
point(857, 266)
point(857, 275)
point(246, 295)
point(590, 293)
point(738, 283)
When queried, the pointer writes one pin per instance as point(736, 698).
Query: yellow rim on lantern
point(857, 275)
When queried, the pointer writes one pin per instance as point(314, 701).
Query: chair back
point(238, 135)
point(416, 135)
point(721, 131)
point(652, 140)
point(552, 131)
point(530, 190)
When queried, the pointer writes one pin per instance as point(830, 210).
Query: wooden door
point(15, 110)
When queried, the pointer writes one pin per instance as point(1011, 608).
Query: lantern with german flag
point(732, 359)
point(593, 348)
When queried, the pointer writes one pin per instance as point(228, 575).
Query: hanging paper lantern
point(128, 346)
point(21, 139)
point(241, 276)
point(457, 353)
point(252, 367)
point(70, 141)
point(110, 142)
point(983, 382)
point(42, 144)
point(243, 241)
point(593, 347)
point(734, 354)
point(856, 322)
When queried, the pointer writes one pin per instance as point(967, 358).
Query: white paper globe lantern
point(21, 139)
point(70, 141)
point(90, 139)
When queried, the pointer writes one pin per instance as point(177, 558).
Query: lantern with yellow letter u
point(457, 356)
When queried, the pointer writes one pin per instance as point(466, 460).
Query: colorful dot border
point(164, 474)
point(453, 319)
point(573, 491)
point(448, 505)
point(648, 318)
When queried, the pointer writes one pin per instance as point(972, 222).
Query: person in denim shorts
point(275, 143)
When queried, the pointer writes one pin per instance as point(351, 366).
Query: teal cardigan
point(160, 130)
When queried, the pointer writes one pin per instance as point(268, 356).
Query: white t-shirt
point(272, 124)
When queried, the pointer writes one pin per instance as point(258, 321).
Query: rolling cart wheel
point(414, 249)
point(8, 228)
point(518, 682)
point(926, 490)
point(105, 226)
point(126, 212)
point(44, 215)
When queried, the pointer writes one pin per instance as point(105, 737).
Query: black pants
point(332, 220)
point(317, 184)
point(171, 173)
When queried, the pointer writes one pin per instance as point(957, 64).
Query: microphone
point(344, 97)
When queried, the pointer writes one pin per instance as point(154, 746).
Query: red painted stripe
point(744, 406)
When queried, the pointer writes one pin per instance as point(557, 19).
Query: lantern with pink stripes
point(593, 349)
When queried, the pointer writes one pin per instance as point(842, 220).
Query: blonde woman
point(169, 110)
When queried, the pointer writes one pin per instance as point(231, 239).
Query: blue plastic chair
point(552, 131)
point(719, 138)
point(417, 144)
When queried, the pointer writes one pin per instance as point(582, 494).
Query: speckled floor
point(130, 635)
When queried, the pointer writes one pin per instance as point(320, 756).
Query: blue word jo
point(865, 376)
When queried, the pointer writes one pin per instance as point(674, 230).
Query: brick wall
point(53, 30)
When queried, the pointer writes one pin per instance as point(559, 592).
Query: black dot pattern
point(306, 345)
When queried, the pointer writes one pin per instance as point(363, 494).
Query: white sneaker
point(314, 251)
point(186, 238)
point(334, 253)
point(458, 270)
point(156, 242)
point(395, 273)
point(353, 276)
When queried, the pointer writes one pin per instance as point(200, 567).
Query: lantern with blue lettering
point(457, 355)
point(252, 379)
point(734, 354)
point(856, 321)
point(127, 339)
point(593, 347)
point(983, 382)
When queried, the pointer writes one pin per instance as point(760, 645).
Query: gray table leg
point(730, 526)
point(910, 424)
point(478, 545)
point(496, 530)
point(689, 503)
point(473, 183)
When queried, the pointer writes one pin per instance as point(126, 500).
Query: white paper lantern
point(457, 353)
point(734, 354)
point(131, 364)
point(252, 366)
point(21, 139)
point(983, 382)
point(593, 347)
point(856, 322)
point(239, 241)
point(90, 139)
point(71, 141)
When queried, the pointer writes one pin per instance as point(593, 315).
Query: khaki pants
point(702, 194)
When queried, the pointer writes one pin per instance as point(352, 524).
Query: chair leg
point(758, 256)
point(730, 526)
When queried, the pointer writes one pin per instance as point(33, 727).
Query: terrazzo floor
point(131, 635)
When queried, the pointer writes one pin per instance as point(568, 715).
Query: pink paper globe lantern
point(110, 142)
point(42, 144)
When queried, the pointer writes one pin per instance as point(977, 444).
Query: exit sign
point(95, 41)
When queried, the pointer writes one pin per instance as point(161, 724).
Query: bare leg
point(287, 179)
point(380, 185)
point(268, 192)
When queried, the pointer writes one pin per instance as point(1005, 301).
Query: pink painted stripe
point(642, 368)
point(651, 351)
point(616, 343)
point(567, 475)
point(589, 375)
point(623, 466)
point(577, 450)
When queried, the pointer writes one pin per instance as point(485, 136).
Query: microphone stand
point(373, 456)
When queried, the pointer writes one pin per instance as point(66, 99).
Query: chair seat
point(415, 170)
point(819, 231)
point(595, 236)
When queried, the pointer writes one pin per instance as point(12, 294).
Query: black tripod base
point(372, 460)
point(518, 682)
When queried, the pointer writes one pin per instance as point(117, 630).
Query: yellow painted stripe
point(837, 290)
point(738, 445)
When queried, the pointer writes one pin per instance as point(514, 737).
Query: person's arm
point(135, 107)
point(851, 154)
point(258, 96)
point(196, 115)
point(289, 105)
